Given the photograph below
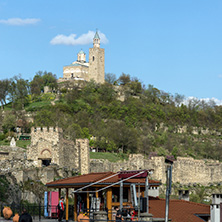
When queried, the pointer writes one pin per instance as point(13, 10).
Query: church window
point(93, 58)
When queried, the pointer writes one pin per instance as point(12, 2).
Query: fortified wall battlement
point(49, 147)
point(48, 157)
point(186, 170)
point(53, 134)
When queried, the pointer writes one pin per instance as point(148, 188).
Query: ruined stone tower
point(97, 61)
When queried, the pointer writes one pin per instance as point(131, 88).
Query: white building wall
point(215, 213)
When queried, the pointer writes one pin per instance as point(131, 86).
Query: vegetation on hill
point(4, 184)
point(96, 111)
point(112, 157)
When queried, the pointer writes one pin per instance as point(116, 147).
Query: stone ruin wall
point(193, 130)
point(48, 143)
point(82, 150)
point(186, 170)
point(44, 144)
point(67, 159)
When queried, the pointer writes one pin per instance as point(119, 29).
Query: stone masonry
point(65, 158)
point(186, 170)
point(48, 144)
point(81, 70)
point(82, 148)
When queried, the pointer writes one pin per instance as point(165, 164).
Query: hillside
point(124, 118)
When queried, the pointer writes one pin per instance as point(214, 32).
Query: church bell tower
point(97, 61)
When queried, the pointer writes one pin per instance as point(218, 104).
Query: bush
point(2, 137)
point(3, 188)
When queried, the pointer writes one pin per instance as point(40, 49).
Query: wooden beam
point(67, 204)
point(118, 203)
point(109, 202)
point(97, 185)
point(75, 207)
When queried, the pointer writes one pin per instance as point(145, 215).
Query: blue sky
point(174, 45)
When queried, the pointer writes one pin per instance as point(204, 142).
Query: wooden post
point(97, 193)
point(109, 202)
point(59, 193)
point(67, 204)
point(87, 201)
point(75, 207)
point(143, 193)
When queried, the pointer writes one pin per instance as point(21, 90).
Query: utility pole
point(146, 194)
point(139, 202)
point(121, 195)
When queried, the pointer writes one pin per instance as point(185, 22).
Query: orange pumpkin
point(4, 210)
point(85, 218)
point(15, 218)
point(80, 217)
point(7, 213)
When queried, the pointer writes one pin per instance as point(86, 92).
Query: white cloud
point(206, 100)
point(83, 39)
point(19, 21)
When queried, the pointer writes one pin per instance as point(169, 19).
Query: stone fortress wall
point(66, 158)
point(186, 170)
point(48, 144)
point(192, 130)
point(70, 157)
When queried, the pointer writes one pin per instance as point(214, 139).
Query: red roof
point(93, 177)
point(179, 210)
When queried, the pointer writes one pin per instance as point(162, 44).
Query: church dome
point(81, 52)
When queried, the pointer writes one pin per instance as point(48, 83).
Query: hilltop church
point(85, 71)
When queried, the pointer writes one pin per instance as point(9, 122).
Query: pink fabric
point(53, 201)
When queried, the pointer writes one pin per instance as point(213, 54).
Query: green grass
point(4, 143)
point(112, 157)
point(7, 107)
point(19, 143)
point(37, 105)
point(23, 143)
point(44, 100)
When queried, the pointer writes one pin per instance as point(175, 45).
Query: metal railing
point(37, 211)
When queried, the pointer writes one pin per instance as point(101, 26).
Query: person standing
point(25, 216)
point(118, 214)
point(61, 208)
